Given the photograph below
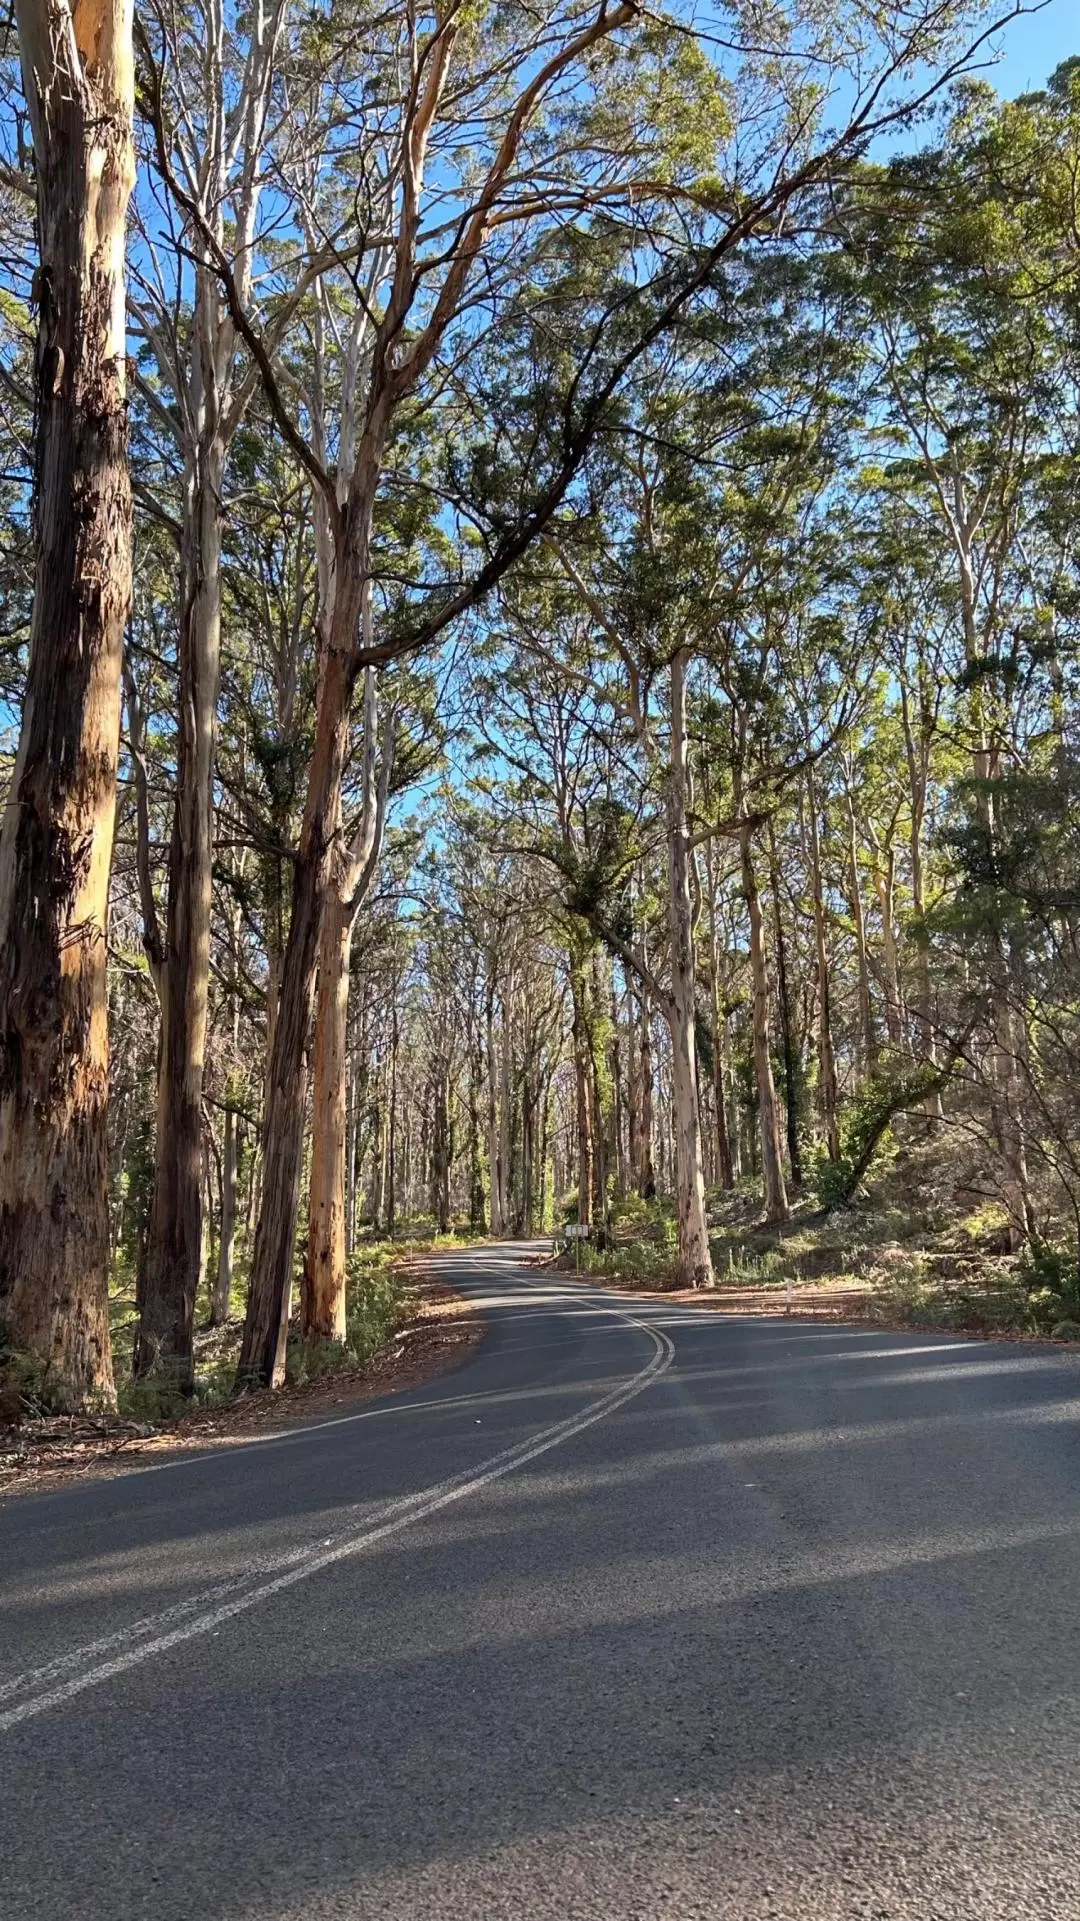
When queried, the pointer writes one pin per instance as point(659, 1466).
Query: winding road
point(644, 1612)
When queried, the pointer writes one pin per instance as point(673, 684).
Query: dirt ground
point(440, 1330)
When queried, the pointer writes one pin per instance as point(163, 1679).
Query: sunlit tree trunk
point(322, 1291)
point(695, 1259)
point(262, 1355)
point(57, 835)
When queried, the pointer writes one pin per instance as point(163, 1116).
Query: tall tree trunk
point(695, 1259)
point(1006, 1100)
point(440, 1148)
point(57, 835)
point(827, 1088)
point(885, 886)
point(866, 1010)
point(262, 1353)
point(167, 1321)
point(787, 1031)
point(322, 1287)
point(544, 1151)
point(615, 1054)
point(917, 761)
point(495, 1203)
point(583, 1102)
point(506, 1103)
point(219, 1306)
point(724, 1165)
point(633, 1084)
point(598, 1132)
point(476, 1172)
point(646, 1176)
point(357, 1080)
point(391, 1123)
point(772, 1166)
point(378, 1159)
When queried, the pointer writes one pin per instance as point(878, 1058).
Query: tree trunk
point(633, 1085)
point(495, 1206)
point(322, 1287)
point(787, 1033)
point(866, 1010)
point(827, 1088)
point(1004, 1076)
point(772, 1167)
point(885, 884)
point(646, 1172)
point(695, 1259)
point(440, 1148)
point(622, 1164)
point(262, 1353)
point(724, 1165)
point(505, 1156)
point(391, 1123)
point(476, 1174)
point(917, 759)
point(219, 1306)
point(57, 836)
point(582, 1095)
point(167, 1322)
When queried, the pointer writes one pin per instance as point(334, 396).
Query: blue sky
point(1033, 46)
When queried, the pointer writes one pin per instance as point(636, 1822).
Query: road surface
point(644, 1612)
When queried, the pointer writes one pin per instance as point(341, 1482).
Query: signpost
point(577, 1232)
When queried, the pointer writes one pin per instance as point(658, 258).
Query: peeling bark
point(57, 835)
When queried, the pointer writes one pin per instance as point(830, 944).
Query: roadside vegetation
point(921, 1245)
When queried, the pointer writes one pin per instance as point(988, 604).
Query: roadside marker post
point(576, 1232)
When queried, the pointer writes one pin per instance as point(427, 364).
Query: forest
point(539, 626)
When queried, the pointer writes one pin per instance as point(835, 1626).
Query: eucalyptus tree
point(217, 119)
point(56, 839)
point(971, 371)
point(527, 181)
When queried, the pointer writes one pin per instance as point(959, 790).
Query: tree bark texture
point(57, 835)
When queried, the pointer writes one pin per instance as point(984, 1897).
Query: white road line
point(134, 1644)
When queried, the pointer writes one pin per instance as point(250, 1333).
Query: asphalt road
point(644, 1612)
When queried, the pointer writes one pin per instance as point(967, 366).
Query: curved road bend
point(644, 1612)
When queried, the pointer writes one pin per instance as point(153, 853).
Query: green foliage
point(894, 1087)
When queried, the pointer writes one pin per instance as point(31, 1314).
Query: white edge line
point(412, 1508)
